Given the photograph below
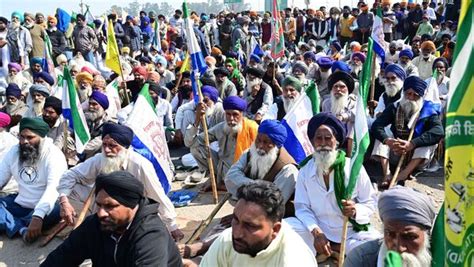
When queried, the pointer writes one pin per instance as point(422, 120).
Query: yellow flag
point(112, 54)
point(186, 64)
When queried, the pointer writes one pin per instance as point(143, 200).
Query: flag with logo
point(277, 39)
point(112, 55)
point(73, 113)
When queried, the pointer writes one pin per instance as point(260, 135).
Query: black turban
point(54, 103)
point(328, 119)
point(120, 133)
point(121, 186)
point(257, 72)
point(222, 71)
point(345, 77)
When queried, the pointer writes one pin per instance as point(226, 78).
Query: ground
point(13, 252)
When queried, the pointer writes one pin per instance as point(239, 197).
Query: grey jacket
point(364, 255)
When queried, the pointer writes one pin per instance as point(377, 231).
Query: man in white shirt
point(7, 141)
point(320, 206)
point(36, 164)
point(424, 62)
point(116, 155)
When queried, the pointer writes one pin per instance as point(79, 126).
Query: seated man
point(225, 87)
point(291, 91)
point(234, 136)
point(407, 217)
point(258, 94)
point(394, 142)
point(258, 236)
point(36, 164)
point(38, 94)
point(125, 231)
point(319, 207)
point(14, 106)
point(116, 155)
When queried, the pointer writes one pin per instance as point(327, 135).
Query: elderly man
point(440, 67)
point(15, 107)
point(356, 63)
point(405, 60)
point(407, 217)
point(225, 86)
point(291, 92)
point(38, 93)
point(393, 143)
point(36, 164)
point(258, 94)
point(84, 82)
point(424, 62)
point(116, 155)
point(44, 78)
point(124, 231)
point(37, 33)
point(258, 236)
point(320, 205)
point(234, 136)
point(35, 67)
point(322, 76)
point(300, 70)
point(15, 75)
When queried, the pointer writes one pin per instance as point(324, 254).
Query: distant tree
point(115, 9)
point(133, 8)
point(166, 9)
point(150, 6)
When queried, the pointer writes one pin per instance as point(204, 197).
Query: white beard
point(17, 79)
point(392, 88)
point(232, 130)
point(338, 104)
point(356, 68)
point(423, 258)
point(324, 157)
point(288, 103)
point(210, 110)
point(410, 107)
point(261, 163)
point(9, 108)
point(112, 164)
point(252, 83)
point(38, 107)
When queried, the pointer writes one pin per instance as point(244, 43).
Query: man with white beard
point(291, 92)
point(234, 135)
point(319, 206)
point(258, 94)
point(225, 86)
point(38, 93)
point(116, 155)
point(392, 143)
point(15, 76)
point(24, 37)
point(300, 70)
point(267, 160)
point(14, 107)
point(84, 81)
point(405, 60)
point(407, 217)
point(322, 76)
point(356, 63)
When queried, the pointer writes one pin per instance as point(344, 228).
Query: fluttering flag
point(277, 39)
point(48, 64)
point(112, 55)
point(296, 121)
point(89, 18)
point(186, 66)
point(431, 104)
point(64, 19)
point(156, 43)
point(73, 113)
point(380, 46)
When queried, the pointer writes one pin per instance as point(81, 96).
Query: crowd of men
point(285, 213)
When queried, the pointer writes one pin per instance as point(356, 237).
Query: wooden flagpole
point(342, 251)
point(372, 85)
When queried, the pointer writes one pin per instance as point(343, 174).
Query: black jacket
point(147, 242)
point(58, 42)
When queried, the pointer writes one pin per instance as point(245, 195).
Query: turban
point(406, 53)
point(18, 15)
point(84, 76)
point(319, 13)
point(328, 119)
point(221, 71)
point(4, 120)
point(292, 81)
point(154, 76)
point(337, 45)
point(155, 87)
point(340, 65)
point(54, 103)
point(325, 62)
point(140, 70)
point(397, 70)
point(215, 51)
point(441, 59)
point(125, 50)
point(100, 98)
point(360, 56)
point(345, 77)
point(88, 70)
point(355, 46)
point(4, 20)
point(309, 55)
point(39, 88)
point(232, 62)
point(186, 75)
point(210, 60)
point(99, 82)
point(428, 45)
point(121, 186)
point(415, 83)
point(255, 58)
point(61, 59)
point(14, 65)
point(53, 19)
point(404, 204)
point(243, 20)
point(146, 60)
point(36, 60)
point(161, 60)
point(13, 90)
point(36, 125)
point(300, 66)
point(45, 76)
point(257, 72)
point(29, 15)
point(274, 130)
point(122, 134)
point(211, 92)
point(234, 103)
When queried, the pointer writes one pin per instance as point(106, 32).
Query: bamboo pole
point(84, 210)
point(402, 158)
point(372, 84)
point(342, 251)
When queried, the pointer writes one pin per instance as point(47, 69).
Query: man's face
point(252, 231)
point(340, 89)
point(411, 95)
point(39, 19)
point(229, 67)
point(2, 26)
point(415, 45)
point(404, 60)
point(29, 146)
point(94, 106)
point(308, 61)
point(186, 82)
point(50, 116)
point(29, 20)
point(80, 22)
point(112, 215)
point(233, 117)
point(402, 237)
point(356, 61)
point(154, 96)
point(264, 143)
point(110, 147)
point(38, 98)
point(138, 77)
point(441, 68)
point(36, 67)
point(40, 80)
point(426, 52)
point(289, 92)
point(12, 100)
point(12, 72)
point(220, 78)
point(324, 139)
point(393, 49)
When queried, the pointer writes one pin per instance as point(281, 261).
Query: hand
point(404, 146)
point(391, 142)
point(348, 208)
point(200, 111)
point(275, 82)
point(178, 136)
point(3, 43)
point(258, 117)
point(177, 235)
point(123, 84)
point(67, 211)
point(189, 263)
point(34, 229)
point(321, 243)
point(372, 104)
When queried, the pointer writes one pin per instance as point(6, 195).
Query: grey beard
point(111, 164)
point(228, 130)
point(29, 154)
point(83, 94)
point(325, 75)
point(338, 104)
point(95, 115)
point(210, 110)
point(410, 107)
point(10, 108)
point(261, 162)
point(392, 88)
point(421, 259)
point(38, 107)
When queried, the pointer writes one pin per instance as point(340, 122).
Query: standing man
point(365, 20)
point(85, 40)
point(57, 38)
point(37, 35)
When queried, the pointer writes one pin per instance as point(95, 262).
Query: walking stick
point(372, 85)
point(84, 210)
point(56, 230)
point(342, 251)
point(175, 88)
point(208, 220)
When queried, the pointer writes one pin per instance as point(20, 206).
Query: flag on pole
point(459, 142)
point(254, 49)
point(277, 39)
point(112, 55)
point(48, 64)
point(186, 66)
point(296, 121)
point(156, 43)
point(380, 46)
point(72, 112)
point(89, 18)
point(149, 137)
point(431, 104)
point(64, 19)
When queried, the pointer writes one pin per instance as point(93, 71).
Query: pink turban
point(4, 120)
